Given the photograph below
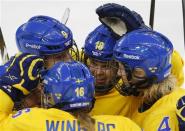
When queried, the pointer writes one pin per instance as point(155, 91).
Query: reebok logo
point(33, 46)
point(134, 57)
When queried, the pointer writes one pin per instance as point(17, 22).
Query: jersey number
point(26, 110)
point(164, 126)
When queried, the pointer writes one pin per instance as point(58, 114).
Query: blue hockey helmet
point(43, 35)
point(69, 86)
point(147, 50)
point(99, 44)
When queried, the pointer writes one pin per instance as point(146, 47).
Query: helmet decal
point(99, 45)
point(152, 69)
point(64, 34)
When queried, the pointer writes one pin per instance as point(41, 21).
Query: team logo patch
point(153, 69)
point(79, 81)
point(58, 95)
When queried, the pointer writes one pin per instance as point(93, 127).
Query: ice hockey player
point(98, 56)
point(145, 68)
point(48, 38)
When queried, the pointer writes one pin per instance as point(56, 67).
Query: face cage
point(129, 88)
point(106, 76)
point(74, 51)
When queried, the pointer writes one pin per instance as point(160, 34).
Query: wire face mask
point(134, 80)
point(105, 73)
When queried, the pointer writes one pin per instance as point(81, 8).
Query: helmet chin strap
point(136, 88)
point(128, 88)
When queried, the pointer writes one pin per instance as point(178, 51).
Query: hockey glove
point(21, 76)
point(180, 111)
point(119, 19)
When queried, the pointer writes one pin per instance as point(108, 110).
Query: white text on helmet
point(67, 43)
point(167, 73)
point(131, 57)
point(33, 46)
point(79, 104)
point(96, 53)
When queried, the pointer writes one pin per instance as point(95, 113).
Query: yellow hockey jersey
point(38, 119)
point(161, 116)
point(177, 68)
point(112, 103)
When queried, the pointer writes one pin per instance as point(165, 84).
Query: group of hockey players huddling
point(127, 77)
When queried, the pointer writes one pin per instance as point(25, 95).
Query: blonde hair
point(158, 90)
point(85, 120)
